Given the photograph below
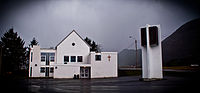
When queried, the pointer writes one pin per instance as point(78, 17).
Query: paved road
point(126, 84)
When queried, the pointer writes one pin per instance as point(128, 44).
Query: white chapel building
point(72, 58)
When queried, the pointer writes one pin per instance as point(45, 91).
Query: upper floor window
point(66, 59)
point(73, 58)
point(80, 58)
point(43, 58)
point(98, 57)
point(52, 58)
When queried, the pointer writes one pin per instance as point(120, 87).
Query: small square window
point(98, 57)
point(43, 58)
point(66, 59)
point(42, 70)
point(80, 58)
point(73, 58)
point(52, 58)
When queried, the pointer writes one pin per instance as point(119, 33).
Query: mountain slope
point(127, 57)
point(182, 47)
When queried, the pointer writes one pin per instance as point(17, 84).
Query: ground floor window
point(51, 70)
point(42, 69)
point(31, 72)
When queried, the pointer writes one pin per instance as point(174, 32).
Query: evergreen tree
point(88, 41)
point(94, 46)
point(13, 51)
point(34, 42)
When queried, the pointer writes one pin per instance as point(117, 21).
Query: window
point(66, 59)
point(43, 58)
point(98, 57)
point(73, 58)
point(80, 58)
point(42, 69)
point(31, 56)
point(143, 37)
point(52, 58)
point(153, 36)
point(31, 72)
point(51, 70)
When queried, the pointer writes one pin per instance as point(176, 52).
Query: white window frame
point(50, 58)
point(41, 70)
point(51, 69)
point(41, 58)
point(98, 59)
point(71, 59)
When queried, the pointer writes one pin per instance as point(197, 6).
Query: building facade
point(72, 58)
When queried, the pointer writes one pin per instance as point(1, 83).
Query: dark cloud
point(108, 22)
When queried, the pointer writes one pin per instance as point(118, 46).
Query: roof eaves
point(68, 35)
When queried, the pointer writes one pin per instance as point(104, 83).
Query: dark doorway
point(47, 72)
point(85, 72)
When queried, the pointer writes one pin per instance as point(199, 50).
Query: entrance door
point(84, 72)
point(47, 72)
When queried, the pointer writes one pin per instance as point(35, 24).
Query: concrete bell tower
point(151, 52)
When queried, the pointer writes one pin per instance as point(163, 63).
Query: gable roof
point(69, 35)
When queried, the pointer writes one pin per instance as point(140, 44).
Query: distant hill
point(183, 46)
point(127, 57)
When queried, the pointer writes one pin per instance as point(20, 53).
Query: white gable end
point(72, 45)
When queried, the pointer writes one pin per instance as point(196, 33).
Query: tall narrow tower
point(151, 52)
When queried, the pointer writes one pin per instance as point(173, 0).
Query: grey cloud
point(108, 22)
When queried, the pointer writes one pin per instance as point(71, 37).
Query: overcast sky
point(107, 22)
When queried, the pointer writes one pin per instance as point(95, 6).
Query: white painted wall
point(152, 57)
point(66, 71)
point(104, 68)
point(35, 61)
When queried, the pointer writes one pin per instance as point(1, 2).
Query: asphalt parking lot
point(125, 84)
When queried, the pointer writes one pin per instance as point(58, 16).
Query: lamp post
point(136, 58)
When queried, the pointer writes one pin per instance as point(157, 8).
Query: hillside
point(182, 47)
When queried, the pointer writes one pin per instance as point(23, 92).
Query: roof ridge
point(69, 35)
